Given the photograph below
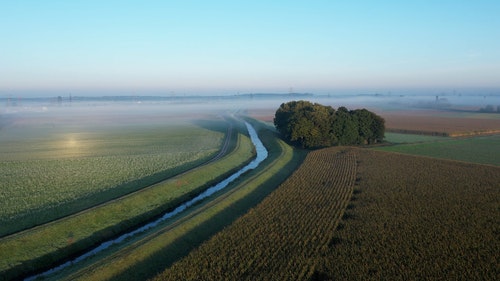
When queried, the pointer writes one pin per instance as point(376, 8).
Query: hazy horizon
point(166, 48)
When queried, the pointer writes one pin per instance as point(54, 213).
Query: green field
point(480, 149)
point(46, 172)
point(410, 138)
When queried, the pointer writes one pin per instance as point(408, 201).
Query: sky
point(146, 47)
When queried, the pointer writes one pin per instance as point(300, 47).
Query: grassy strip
point(43, 246)
point(147, 257)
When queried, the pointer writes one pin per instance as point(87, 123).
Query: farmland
point(455, 135)
point(345, 213)
point(418, 218)
point(398, 138)
point(479, 149)
point(442, 123)
point(360, 214)
point(47, 174)
point(279, 238)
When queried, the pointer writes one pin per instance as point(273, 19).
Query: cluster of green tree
point(490, 109)
point(312, 125)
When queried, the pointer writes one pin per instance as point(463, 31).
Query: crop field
point(416, 218)
point(280, 238)
point(478, 149)
point(49, 173)
point(390, 217)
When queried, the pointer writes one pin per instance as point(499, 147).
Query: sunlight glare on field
point(72, 142)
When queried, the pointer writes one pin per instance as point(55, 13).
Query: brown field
point(435, 122)
point(360, 214)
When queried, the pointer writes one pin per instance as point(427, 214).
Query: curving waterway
point(261, 155)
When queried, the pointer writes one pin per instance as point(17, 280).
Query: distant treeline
point(312, 125)
point(490, 109)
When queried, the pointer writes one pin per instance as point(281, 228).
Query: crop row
point(39, 190)
point(279, 238)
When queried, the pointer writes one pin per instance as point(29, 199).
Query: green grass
point(482, 150)
point(44, 245)
point(410, 138)
point(49, 173)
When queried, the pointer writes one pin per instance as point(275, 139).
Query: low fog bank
point(139, 106)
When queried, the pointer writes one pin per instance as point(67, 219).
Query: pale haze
point(89, 47)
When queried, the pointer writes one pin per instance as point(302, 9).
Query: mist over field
point(187, 105)
point(67, 119)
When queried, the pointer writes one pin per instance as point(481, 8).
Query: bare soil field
point(434, 122)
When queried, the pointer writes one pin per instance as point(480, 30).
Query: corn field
point(279, 238)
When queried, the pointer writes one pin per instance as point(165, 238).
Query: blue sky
point(228, 47)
